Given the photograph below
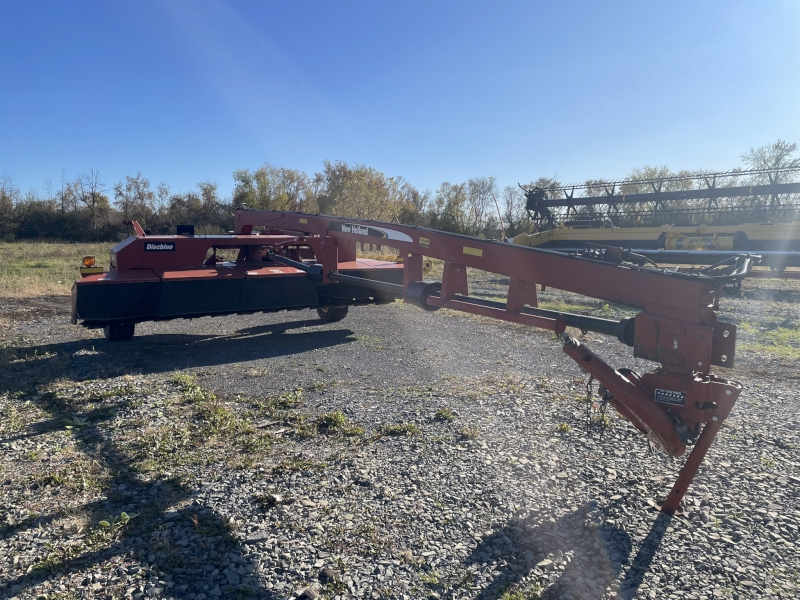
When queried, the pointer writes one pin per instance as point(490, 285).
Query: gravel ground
point(396, 454)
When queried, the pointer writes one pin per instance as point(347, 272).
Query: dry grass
point(31, 269)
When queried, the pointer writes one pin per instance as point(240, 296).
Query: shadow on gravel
point(22, 369)
point(173, 546)
point(596, 556)
point(647, 551)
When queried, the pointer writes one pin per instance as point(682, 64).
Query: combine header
point(677, 200)
point(293, 260)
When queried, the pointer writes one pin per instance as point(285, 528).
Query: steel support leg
point(691, 465)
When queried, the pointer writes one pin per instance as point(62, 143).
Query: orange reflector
point(88, 261)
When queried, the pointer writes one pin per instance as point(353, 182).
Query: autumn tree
point(273, 188)
point(134, 198)
point(359, 191)
point(414, 204)
point(449, 207)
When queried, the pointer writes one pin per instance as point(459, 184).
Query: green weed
point(400, 429)
point(445, 414)
point(185, 381)
point(429, 578)
point(532, 593)
point(332, 421)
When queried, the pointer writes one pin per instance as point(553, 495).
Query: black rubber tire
point(331, 314)
point(119, 332)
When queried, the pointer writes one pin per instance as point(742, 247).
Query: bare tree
point(9, 196)
point(779, 155)
point(516, 217)
point(89, 189)
point(479, 201)
point(67, 198)
point(772, 158)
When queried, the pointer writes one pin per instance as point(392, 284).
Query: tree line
point(86, 208)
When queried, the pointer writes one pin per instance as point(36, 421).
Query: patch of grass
point(400, 429)
point(166, 440)
point(82, 474)
point(564, 428)
point(603, 421)
point(782, 340)
point(445, 414)
point(532, 593)
point(319, 385)
point(55, 560)
point(185, 381)
point(285, 401)
point(372, 342)
point(429, 578)
point(352, 430)
point(219, 419)
point(338, 422)
point(259, 442)
point(126, 390)
point(332, 420)
point(14, 419)
point(469, 432)
point(566, 307)
point(296, 464)
point(31, 269)
point(197, 395)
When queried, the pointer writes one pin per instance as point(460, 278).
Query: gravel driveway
point(396, 454)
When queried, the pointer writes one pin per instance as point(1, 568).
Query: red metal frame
point(677, 326)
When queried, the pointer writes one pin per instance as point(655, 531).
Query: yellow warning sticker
point(473, 251)
point(425, 242)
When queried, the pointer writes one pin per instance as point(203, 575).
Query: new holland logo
point(357, 229)
point(159, 246)
point(376, 232)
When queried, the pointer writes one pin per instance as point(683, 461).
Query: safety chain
point(589, 404)
point(604, 394)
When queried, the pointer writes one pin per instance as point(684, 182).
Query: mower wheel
point(331, 314)
point(119, 332)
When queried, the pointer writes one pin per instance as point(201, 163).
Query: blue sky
point(190, 90)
